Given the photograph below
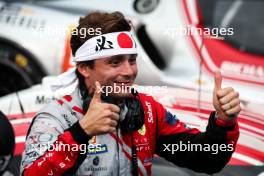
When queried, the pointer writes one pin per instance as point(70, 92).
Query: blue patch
point(171, 119)
point(97, 149)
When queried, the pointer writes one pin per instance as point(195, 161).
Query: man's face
point(115, 73)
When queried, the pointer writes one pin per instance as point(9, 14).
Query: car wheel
point(18, 68)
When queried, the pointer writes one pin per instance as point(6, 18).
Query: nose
point(127, 69)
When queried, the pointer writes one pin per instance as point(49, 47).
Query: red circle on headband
point(124, 41)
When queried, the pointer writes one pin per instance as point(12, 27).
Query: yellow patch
point(142, 130)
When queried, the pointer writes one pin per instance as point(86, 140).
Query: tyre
point(19, 69)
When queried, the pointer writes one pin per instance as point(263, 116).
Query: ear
point(84, 70)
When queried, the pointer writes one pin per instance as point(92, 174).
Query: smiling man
point(119, 133)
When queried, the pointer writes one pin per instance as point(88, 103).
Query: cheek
point(135, 69)
point(107, 75)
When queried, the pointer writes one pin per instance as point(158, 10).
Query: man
point(121, 132)
point(7, 146)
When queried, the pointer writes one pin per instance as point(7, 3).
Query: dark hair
point(106, 22)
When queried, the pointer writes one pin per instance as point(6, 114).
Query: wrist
point(79, 135)
point(224, 121)
point(83, 125)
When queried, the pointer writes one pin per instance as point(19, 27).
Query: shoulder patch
point(171, 119)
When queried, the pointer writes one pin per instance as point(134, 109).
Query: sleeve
point(49, 150)
point(206, 152)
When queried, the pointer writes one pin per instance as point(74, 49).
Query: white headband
point(101, 46)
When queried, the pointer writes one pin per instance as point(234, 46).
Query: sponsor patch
point(171, 119)
point(150, 115)
point(96, 161)
point(97, 149)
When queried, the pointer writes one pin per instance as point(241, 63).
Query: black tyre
point(145, 6)
point(19, 69)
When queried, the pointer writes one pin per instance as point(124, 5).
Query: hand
point(226, 101)
point(101, 118)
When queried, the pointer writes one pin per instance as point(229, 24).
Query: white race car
point(34, 41)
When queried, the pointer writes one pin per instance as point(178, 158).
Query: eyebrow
point(119, 57)
point(134, 55)
point(109, 59)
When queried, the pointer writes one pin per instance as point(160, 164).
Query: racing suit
point(110, 154)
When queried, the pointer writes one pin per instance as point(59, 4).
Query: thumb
point(97, 92)
point(218, 80)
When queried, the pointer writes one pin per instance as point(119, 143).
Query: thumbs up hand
point(225, 100)
point(101, 117)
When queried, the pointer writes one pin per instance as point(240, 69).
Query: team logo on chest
point(142, 130)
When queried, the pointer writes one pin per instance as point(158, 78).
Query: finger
point(107, 129)
point(231, 104)
point(114, 108)
point(113, 123)
point(97, 92)
point(110, 122)
point(229, 97)
point(110, 114)
point(114, 116)
point(107, 113)
point(223, 92)
point(233, 111)
point(111, 107)
point(235, 102)
point(111, 129)
point(218, 80)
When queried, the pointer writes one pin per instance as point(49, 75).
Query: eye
point(115, 61)
point(133, 59)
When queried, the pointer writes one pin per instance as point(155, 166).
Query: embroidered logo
point(142, 130)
